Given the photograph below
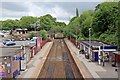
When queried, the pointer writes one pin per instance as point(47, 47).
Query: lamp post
point(70, 35)
point(76, 37)
point(89, 41)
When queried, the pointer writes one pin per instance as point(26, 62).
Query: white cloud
point(11, 14)
point(62, 11)
point(53, 0)
point(56, 11)
point(59, 12)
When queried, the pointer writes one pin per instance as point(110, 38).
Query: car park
point(13, 39)
point(32, 41)
point(9, 43)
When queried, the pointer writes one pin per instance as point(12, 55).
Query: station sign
point(2, 71)
point(18, 58)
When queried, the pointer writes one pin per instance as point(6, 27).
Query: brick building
point(9, 61)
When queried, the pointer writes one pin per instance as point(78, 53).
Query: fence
point(73, 41)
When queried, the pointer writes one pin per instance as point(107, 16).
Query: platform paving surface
point(35, 65)
point(96, 70)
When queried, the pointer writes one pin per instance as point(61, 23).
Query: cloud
point(14, 6)
point(54, 0)
point(61, 10)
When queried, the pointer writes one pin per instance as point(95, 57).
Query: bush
point(43, 34)
point(31, 34)
point(109, 38)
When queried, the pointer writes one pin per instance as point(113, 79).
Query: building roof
point(8, 51)
point(19, 29)
point(96, 43)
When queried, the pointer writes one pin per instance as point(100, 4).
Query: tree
point(47, 21)
point(105, 17)
point(86, 20)
point(73, 19)
point(118, 28)
point(31, 35)
point(102, 21)
point(43, 34)
point(77, 13)
point(26, 21)
point(10, 24)
point(60, 24)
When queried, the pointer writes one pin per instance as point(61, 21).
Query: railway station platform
point(36, 63)
point(92, 70)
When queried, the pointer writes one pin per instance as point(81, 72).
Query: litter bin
point(87, 56)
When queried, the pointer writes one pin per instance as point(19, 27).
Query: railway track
point(59, 63)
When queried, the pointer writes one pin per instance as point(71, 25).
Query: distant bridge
point(59, 36)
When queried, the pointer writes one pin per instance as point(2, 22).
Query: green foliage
point(79, 26)
point(105, 17)
point(9, 24)
point(26, 21)
point(73, 19)
point(46, 22)
point(103, 21)
point(118, 28)
point(57, 29)
point(32, 23)
point(43, 34)
point(60, 24)
point(77, 13)
point(31, 34)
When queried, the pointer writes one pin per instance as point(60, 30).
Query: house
point(21, 31)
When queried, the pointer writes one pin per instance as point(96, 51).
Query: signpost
point(23, 61)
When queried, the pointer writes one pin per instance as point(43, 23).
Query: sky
point(61, 9)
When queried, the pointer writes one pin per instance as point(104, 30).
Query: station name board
point(17, 58)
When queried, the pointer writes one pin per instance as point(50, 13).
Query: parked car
point(5, 41)
point(28, 38)
point(13, 39)
point(10, 43)
point(32, 42)
point(23, 39)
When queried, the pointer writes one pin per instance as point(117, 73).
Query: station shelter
point(98, 50)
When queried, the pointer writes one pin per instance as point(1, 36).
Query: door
point(95, 56)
